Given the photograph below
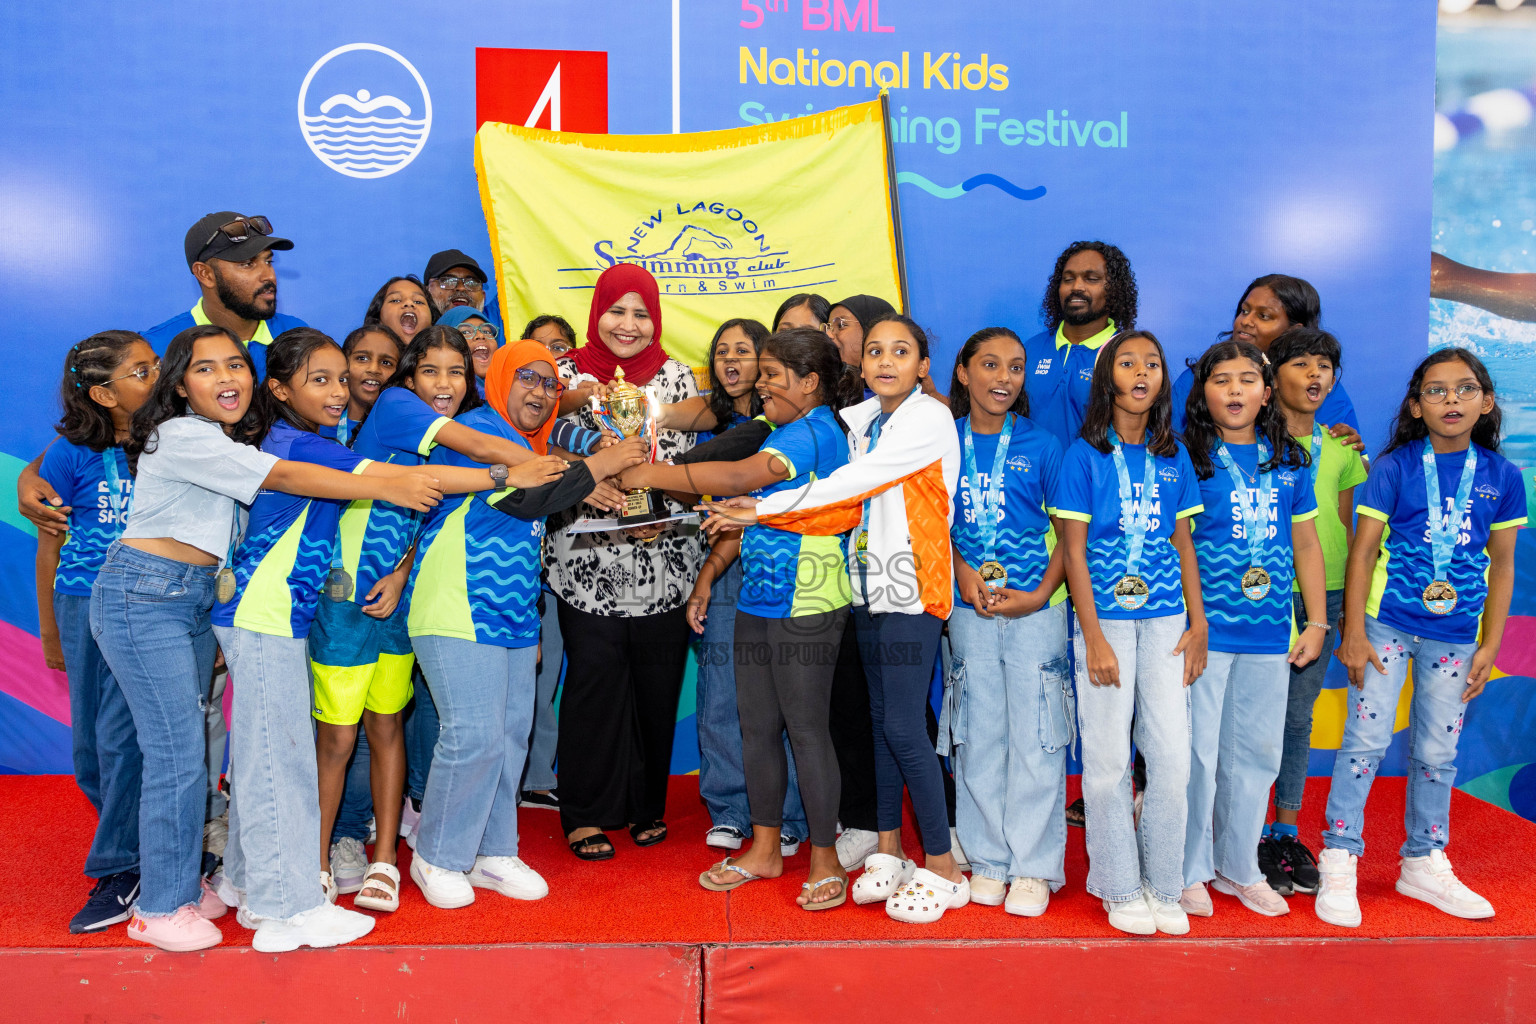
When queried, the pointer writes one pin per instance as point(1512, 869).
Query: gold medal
point(338, 584)
point(1131, 592)
point(1440, 597)
point(1255, 584)
point(224, 585)
point(994, 575)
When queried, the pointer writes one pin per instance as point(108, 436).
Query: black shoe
point(539, 801)
point(1298, 863)
point(110, 902)
point(1269, 863)
point(1076, 816)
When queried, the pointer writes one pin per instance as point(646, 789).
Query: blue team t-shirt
point(1237, 624)
point(1031, 475)
point(1059, 375)
point(1336, 407)
point(96, 516)
point(786, 575)
point(1089, 490)
point(477, 570)
point(289, 543)
point(1395, 494)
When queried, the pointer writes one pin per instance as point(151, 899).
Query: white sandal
point(389, 884)
point(328, 886)
point(883, 875)
point(924, 899)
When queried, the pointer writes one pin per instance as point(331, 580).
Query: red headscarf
point(596, 358)
point(499, 378)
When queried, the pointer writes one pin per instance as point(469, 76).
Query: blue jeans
point(722, 779)
point(540, 773)
point(485, 696)
point(1121, 860)
point(1012, 716)
point(1434, 727)
point(422, 727)
point(357, 795)
point(105, 746)
point(1306, 684)
point(1237, 729)
point(898, 652)
point(274, 811)
point(149, 617)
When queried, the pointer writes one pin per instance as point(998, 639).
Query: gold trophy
point(631, 412)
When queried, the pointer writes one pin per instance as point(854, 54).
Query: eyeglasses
point(841, 323)
point(241, 229)
point(528, 379)
point(472, 283)
point(471, 331)
point(144, 373)
point(1437, 394)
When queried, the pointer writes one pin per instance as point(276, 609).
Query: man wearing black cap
point(231, 257)
point(455, 279)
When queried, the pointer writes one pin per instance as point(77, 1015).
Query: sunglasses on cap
point(240, 229)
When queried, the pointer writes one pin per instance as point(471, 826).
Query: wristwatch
point(499, 476)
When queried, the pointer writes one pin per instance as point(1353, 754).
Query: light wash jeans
point(218, 739)
point(104, 745)
point(1434, 728)
point(1237, 730)
point(1306, 684)
point(274, 810)
point(484, 695)
point(722, 778)
point(1012, 716)
point(149, 616)
point(540, 773)
point(1122, 858)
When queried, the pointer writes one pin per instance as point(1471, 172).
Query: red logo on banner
point(565, 90)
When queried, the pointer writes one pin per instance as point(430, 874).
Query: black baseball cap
point(206, 242)
point(442, 262)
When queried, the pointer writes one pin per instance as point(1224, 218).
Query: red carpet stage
point(636, 939)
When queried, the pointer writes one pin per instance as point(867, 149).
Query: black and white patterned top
point(610, 573)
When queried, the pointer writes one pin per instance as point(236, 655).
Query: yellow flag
point(730, 223)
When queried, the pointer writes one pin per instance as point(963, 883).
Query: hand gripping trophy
point(630, 411)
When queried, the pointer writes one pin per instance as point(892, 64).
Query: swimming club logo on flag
point(364, 110)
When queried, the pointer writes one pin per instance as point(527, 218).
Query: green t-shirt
point(1337, 469)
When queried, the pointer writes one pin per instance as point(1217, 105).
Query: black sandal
point(585, 848)
point(1076, 816)
point(635, 830)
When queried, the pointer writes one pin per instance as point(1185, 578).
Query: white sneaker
point(788, 845)
point(446, 889)
point(1195, 900)
point(1336, 902)
point(854, 845)
point(883, 875)
point(1027, 897)
point(508, 876)
point(410, 821)
point(349, 864)
point(961, 861)
point(1169, 917)
point(724, 837)
point(1258, 897)
point(247, 920)
point(325, 925)
point(988, 892)
point(1431, 879)
point(1132, 916)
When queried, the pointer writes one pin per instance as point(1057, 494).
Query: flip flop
point(836, 901)
point(726, 865)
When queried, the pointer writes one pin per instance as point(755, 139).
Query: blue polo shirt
point(1238, 625)
point(1030, 478)
point(160, 335)
point(1336, 407)
point(97, 516)
point(1057, 376)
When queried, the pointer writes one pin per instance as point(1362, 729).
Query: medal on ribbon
point(1255, 513)
point(1444, 528)
point(1132, 592)
point(988, 510)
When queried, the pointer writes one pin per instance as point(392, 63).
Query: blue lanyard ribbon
point(1445, 529)
point(1134, 520)
point(988, 513)
point(1317, 444)
point(344, 429)
point(1255, 513)
point(114, 485)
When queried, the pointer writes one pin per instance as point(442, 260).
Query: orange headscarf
point(502, 374)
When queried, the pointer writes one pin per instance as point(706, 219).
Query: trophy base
point(641, 507)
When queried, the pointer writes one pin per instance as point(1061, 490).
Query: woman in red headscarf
point(622, 597)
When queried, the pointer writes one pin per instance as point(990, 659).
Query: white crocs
point(924, 899)
point(883, 875)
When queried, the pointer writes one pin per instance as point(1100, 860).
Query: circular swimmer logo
point(364, 110)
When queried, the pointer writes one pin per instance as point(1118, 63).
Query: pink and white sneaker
point(181, 932)
point(211, 907)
